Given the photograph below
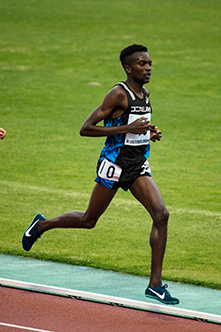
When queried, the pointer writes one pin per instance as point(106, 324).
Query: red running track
point(37, 311)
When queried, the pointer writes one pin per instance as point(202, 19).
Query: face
point(139, 67)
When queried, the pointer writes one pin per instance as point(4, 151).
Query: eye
point(144, 63)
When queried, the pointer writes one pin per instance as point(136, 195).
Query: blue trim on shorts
point(106, 183)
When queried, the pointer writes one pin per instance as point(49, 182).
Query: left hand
point(155, 134)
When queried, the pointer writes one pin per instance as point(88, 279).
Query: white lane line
point(158, 308)
point(23, 327)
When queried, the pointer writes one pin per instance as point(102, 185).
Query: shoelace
point(164, 287)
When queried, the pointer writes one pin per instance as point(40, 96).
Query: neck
point(135, 87)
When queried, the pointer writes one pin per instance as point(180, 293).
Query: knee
point(161, 218)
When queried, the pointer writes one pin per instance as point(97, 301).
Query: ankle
point(41, 226)
point(155, 284)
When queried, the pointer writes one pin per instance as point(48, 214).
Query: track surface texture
point(36, 311)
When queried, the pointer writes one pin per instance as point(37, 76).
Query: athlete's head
point(128, 51)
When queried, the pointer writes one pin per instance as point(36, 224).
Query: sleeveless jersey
point(128, 150)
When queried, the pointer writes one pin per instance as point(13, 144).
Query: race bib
point(109, 171)
point(137, 139)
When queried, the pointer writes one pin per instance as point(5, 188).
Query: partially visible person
point(2, 133)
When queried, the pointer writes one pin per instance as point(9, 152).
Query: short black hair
point(129, 50)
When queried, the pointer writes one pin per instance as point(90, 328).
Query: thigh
point(99, 201)
point(145, 190)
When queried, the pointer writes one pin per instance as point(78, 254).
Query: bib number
point(109, 171)
point(137, 139)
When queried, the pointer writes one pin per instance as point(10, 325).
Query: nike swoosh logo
point(27, 233)
point(161, 296)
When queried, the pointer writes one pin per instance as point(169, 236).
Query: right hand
point(139, 126)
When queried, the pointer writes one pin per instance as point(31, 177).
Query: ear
point(127, 68)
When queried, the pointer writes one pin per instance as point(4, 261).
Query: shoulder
point(115, 102)
point(147, 91)
point(115, 95)
point(118, 91)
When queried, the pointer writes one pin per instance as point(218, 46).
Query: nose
point(148, 67)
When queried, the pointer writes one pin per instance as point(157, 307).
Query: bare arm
point(114, 101)
point(155, 133)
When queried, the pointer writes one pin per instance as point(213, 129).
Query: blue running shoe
point(161, 294)
point(32, 234)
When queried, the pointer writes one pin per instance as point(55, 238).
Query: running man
point(126, 112)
